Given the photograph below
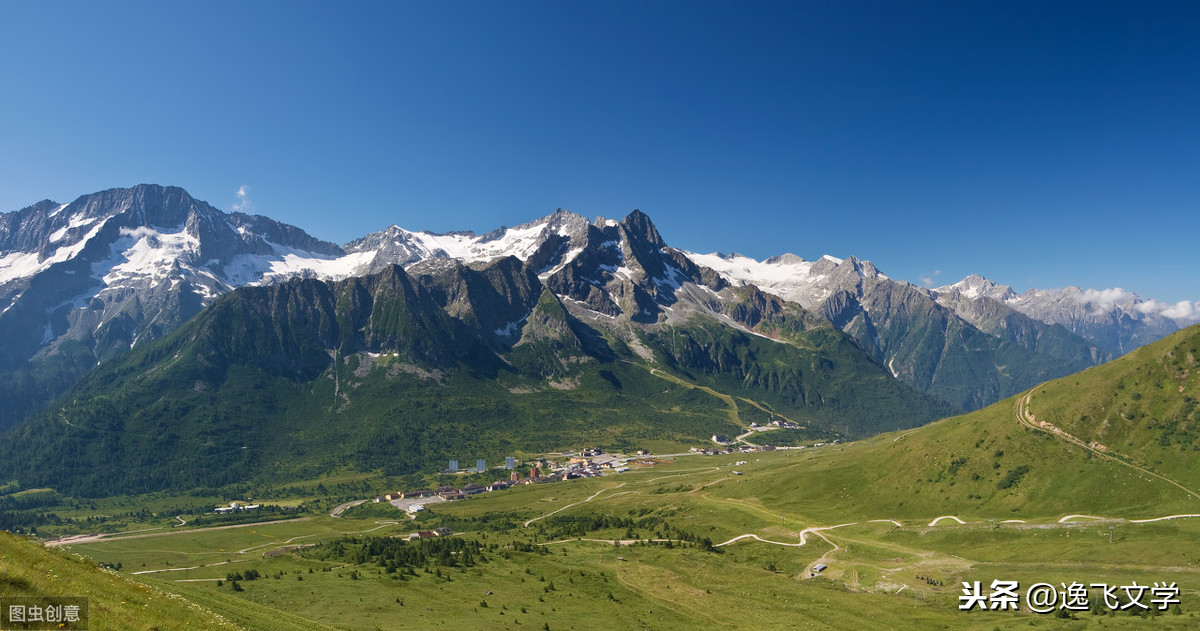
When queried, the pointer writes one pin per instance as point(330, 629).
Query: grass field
point(880, 575)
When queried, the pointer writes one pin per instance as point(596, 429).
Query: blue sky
point(1039, 144)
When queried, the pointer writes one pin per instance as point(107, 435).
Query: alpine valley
point(146, 336)
point(200, 407)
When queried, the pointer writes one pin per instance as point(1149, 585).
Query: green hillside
point(995, 463)
point(114, 601)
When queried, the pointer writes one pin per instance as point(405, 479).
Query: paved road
point(340, 508)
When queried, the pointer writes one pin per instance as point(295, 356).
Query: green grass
point(746, 585)
point(115, 602)
point(986, 468)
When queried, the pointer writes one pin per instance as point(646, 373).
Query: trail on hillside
point(1026, 418)
point(593, 496)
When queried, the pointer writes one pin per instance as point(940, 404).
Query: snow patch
point(19, 265)
point(789, 277)
point(566, 260)
point(149, 253)
point(25, 264)
point(674, 279)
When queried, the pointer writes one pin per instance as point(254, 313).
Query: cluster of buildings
point(430, 534)
point(235, 507)
point(776, 423)
point(588, 463)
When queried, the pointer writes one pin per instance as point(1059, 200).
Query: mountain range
point(212, 303)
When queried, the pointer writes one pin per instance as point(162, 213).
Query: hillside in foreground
point(114, 601)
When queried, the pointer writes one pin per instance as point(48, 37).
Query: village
point(586, 463)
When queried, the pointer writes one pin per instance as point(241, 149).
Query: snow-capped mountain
point(969, 354)
point(85, 281)
point(397, 246)
point(1114, 319)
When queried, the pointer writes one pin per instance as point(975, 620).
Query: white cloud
point(928, 280)
point(1182, 310)
point(1105, 299)
point(243, 204)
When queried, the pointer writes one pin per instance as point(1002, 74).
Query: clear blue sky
point(1037, 143)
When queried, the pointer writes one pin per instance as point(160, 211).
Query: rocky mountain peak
point(976, 286)
point(638, 225)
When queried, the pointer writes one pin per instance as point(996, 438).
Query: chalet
point(417, 493)
point(498, 485)
point(425, 534)
point(451, 494)
point(443, 532)
point(472, 489)
point(720, 439)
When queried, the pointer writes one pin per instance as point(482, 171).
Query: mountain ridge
point(86, 281)
point(402, 368)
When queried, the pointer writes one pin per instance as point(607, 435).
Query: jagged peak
point(850, 265)
point(638, 224)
